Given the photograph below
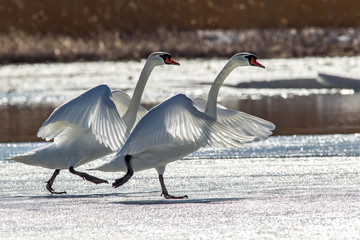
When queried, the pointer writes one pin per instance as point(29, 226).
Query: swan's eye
point(165, 56)
point(253, 62)
point(250, 57)
point(168, 60)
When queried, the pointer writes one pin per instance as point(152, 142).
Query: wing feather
point(93, 110)
point(178, 121)
point(122, 101)
point(242, 122)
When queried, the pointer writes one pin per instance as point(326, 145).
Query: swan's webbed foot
point(52, 191)
point(121, 181)
point(50, 182)
point(87, 177)
point(164, 191)
point(168, 196)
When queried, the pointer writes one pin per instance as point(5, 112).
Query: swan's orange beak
point(253, 62)
point(169, 60)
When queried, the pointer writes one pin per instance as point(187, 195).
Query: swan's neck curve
point(211, 101)
point(130, 115)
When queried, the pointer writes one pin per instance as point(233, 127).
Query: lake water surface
point(283, 93)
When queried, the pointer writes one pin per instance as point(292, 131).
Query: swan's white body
point(84, 129)
point(91, 125)
point(178, 127)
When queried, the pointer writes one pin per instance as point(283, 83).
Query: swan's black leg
point(87, 177)
point(165, 191)
point(50, 182)
point(121, 181)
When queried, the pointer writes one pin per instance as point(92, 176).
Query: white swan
point(176, 128)
point(90, 126)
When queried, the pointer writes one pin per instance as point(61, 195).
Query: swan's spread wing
point(93, 110)
point(242, 122)
point(200, 104)
point(245, 123)
point(122, 101)
point(178, 121)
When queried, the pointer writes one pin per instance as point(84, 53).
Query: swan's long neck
point(211, 101)
point(130, 115)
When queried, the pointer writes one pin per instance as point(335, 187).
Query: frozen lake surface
point(294, 187)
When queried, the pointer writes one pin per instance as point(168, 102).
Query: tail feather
point(28, 159)
point(43, 158)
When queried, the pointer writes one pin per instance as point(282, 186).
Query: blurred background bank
point(37, 37)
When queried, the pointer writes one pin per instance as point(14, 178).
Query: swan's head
point(161, 58)
point(246, 59)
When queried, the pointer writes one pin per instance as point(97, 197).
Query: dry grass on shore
point(19, 47)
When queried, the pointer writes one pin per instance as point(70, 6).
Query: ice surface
point(296, 187)
point(290, 146)
point(54, 83)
